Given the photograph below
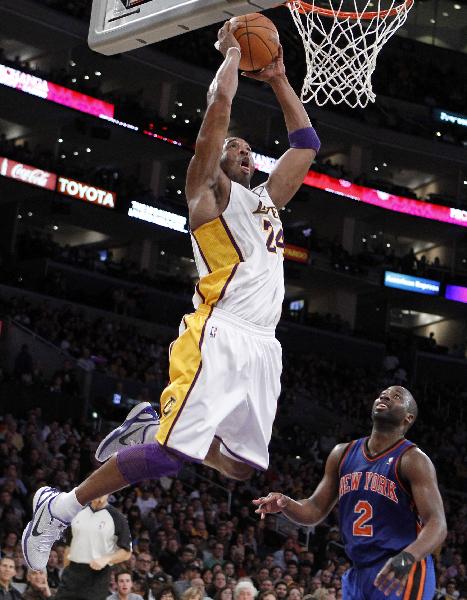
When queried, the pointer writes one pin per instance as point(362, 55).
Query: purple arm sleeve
point(305, 138)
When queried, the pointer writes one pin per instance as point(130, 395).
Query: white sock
point(66, 506)
point(150, 434)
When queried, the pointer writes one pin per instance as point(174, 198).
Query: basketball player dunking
point(390, 509)
point(225, 366)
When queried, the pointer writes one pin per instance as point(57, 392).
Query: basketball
point(258, 39)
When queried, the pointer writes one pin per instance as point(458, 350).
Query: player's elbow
point(443, 530)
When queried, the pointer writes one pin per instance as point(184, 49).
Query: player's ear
point(409, 420)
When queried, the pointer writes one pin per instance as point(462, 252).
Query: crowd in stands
point(190, 542)
point(111, 347)
point(133, 297)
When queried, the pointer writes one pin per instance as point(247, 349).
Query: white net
point(342, 39)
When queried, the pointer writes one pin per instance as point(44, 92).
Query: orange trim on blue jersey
point(396, 470)
point(421, 587)
point(344, 455)
point(384, 453)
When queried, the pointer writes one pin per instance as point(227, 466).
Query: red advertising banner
point(408, 206)
point(86, 192)
point(36, 86)
point(27, 174)
point(296, 253)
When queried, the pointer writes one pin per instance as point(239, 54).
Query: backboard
point(122, 25)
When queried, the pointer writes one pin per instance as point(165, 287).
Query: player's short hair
point(412, 407)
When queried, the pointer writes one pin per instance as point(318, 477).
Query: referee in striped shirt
point(100, 538)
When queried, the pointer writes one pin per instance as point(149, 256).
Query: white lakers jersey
point(239, 256)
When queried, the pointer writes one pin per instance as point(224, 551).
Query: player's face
point(237, 161)
point(390, 407)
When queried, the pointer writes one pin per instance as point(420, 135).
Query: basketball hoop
point(342, 39)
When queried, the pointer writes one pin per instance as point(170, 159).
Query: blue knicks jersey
point(377, 515)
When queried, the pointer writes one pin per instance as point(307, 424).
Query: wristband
point(235, 48)
point(402, 563)
point(304, 139)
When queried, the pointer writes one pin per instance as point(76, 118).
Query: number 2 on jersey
point(360, 525)
point(273, 241)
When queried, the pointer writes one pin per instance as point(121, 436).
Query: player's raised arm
point(418, 470)
point(313, 510)
point(290, 170)
point(204, 170)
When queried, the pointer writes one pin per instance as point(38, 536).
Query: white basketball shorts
point(224, 382)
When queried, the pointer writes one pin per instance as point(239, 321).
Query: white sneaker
point(133, 430)
point(42, 531)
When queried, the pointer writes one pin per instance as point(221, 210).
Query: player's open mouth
point(382, 405)
point(245, 165)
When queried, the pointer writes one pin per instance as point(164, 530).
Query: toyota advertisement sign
point(50, 181)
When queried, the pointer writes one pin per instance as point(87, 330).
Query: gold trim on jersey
point(184, 369)
point(221, 256)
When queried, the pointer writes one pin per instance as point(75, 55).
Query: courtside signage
point(27, 174)
point(151, 214)
point(86, 192)
point(409, 283)
point(30, 84)
point(457, 293)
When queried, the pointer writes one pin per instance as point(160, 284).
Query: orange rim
point(340, 14)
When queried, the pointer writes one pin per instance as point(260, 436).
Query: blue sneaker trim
point(127, 423)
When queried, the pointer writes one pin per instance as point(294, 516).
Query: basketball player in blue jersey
point(225, 366)
point(390, 509)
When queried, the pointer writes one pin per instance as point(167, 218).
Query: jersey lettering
point(373, 482)
point(361, 526)
point(262, 209)
point(377, 514)
point(273, 241)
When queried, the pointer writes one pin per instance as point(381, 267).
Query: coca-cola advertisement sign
point(27, 174)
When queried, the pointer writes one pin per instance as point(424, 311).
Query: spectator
point(7, 572)
point(167, 593)
point(146, 501)
point(52, 570)
point(188, 574)
point(143, 570)
point(281, 590)
point(124, 588)
point(217, 556)
point(219, 583)
point(37, 588)
point(192, 593)
point(225, 593)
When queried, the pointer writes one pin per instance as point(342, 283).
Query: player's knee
point(239, 471)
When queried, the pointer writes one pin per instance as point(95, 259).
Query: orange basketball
point(258, 39)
